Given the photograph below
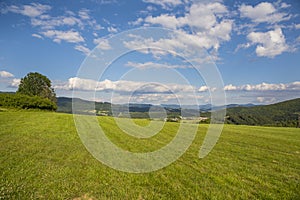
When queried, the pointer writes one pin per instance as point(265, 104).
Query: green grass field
point(42, 157)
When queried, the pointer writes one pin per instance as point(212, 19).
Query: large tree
point(36, 84)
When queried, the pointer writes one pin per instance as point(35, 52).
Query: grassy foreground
point(42, 157)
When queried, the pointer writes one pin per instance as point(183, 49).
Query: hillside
point(279, 114)
point(42, 157)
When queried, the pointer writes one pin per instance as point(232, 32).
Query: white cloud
point(136, 22)
point(230, 87)
point(263, 12)
point(270, 44)
point(102, 43)
point(83, 49)
point(15, 83)
point(294, 86)
point(203, 88)
point(112, 29)
point(168, 21)
point(179, 42)
point(37, 36)
point(84, 14)
point(207, 20)
point(68, 36)
point(266, 100)
point(151, 65)
point(200, 16)
point(166, 4)
point(285, 5)
point(32, 10)
point(5, 74)
point(297, 26)
point(47, 22)
point(123, 86)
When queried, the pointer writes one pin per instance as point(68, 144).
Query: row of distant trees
point(34, 92)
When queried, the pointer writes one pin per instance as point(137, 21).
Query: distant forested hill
point(279, 114)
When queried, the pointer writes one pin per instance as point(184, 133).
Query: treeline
point(21, 101)
point(279, 114)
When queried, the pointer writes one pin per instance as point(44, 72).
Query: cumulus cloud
point(270, 44)
point(46, 22)
point(166, 20)
point(102, 43)
point(56, 27)
point(68, 36)
point(200, 16)
point(294, 86)
point(151, 65)
point(230, 87)
point(267, 100)
point(205, 88)
point(37, 36)
point(207, 20)
point(5, 74)
point(136, 22)
point(122, 86)
point(112, 29)
point(15, 83)
point(263, 12)
point(83, 49)
point(166, 4)
point(178, 42)
point(84, 14)
point(32, 10)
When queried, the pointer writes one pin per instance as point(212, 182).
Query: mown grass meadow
point(42, 157)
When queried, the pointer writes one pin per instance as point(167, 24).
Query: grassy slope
point(42, 157)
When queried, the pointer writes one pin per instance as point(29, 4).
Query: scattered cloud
point(68, 36)
point(56, 27)
point(230, 87)
point(294, 86)
point(46, 22)
point(84, 14)
point(264, 12)
point(37, 36)
point(112, 29)
point(166, 4)
point(136, 22)
point(210, 32)
point(32, 10)
point(15, 83)
point(269, 44)
point(152, 65)
point(102, 43)
point(86, 51)
point(5, 74)
point(267, 100)
point(205, 88)
point(123, 86)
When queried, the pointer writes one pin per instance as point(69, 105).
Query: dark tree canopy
point(36, 84)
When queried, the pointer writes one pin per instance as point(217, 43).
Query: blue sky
point(254, 45)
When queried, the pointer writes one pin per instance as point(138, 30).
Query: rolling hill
point(279, 114)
